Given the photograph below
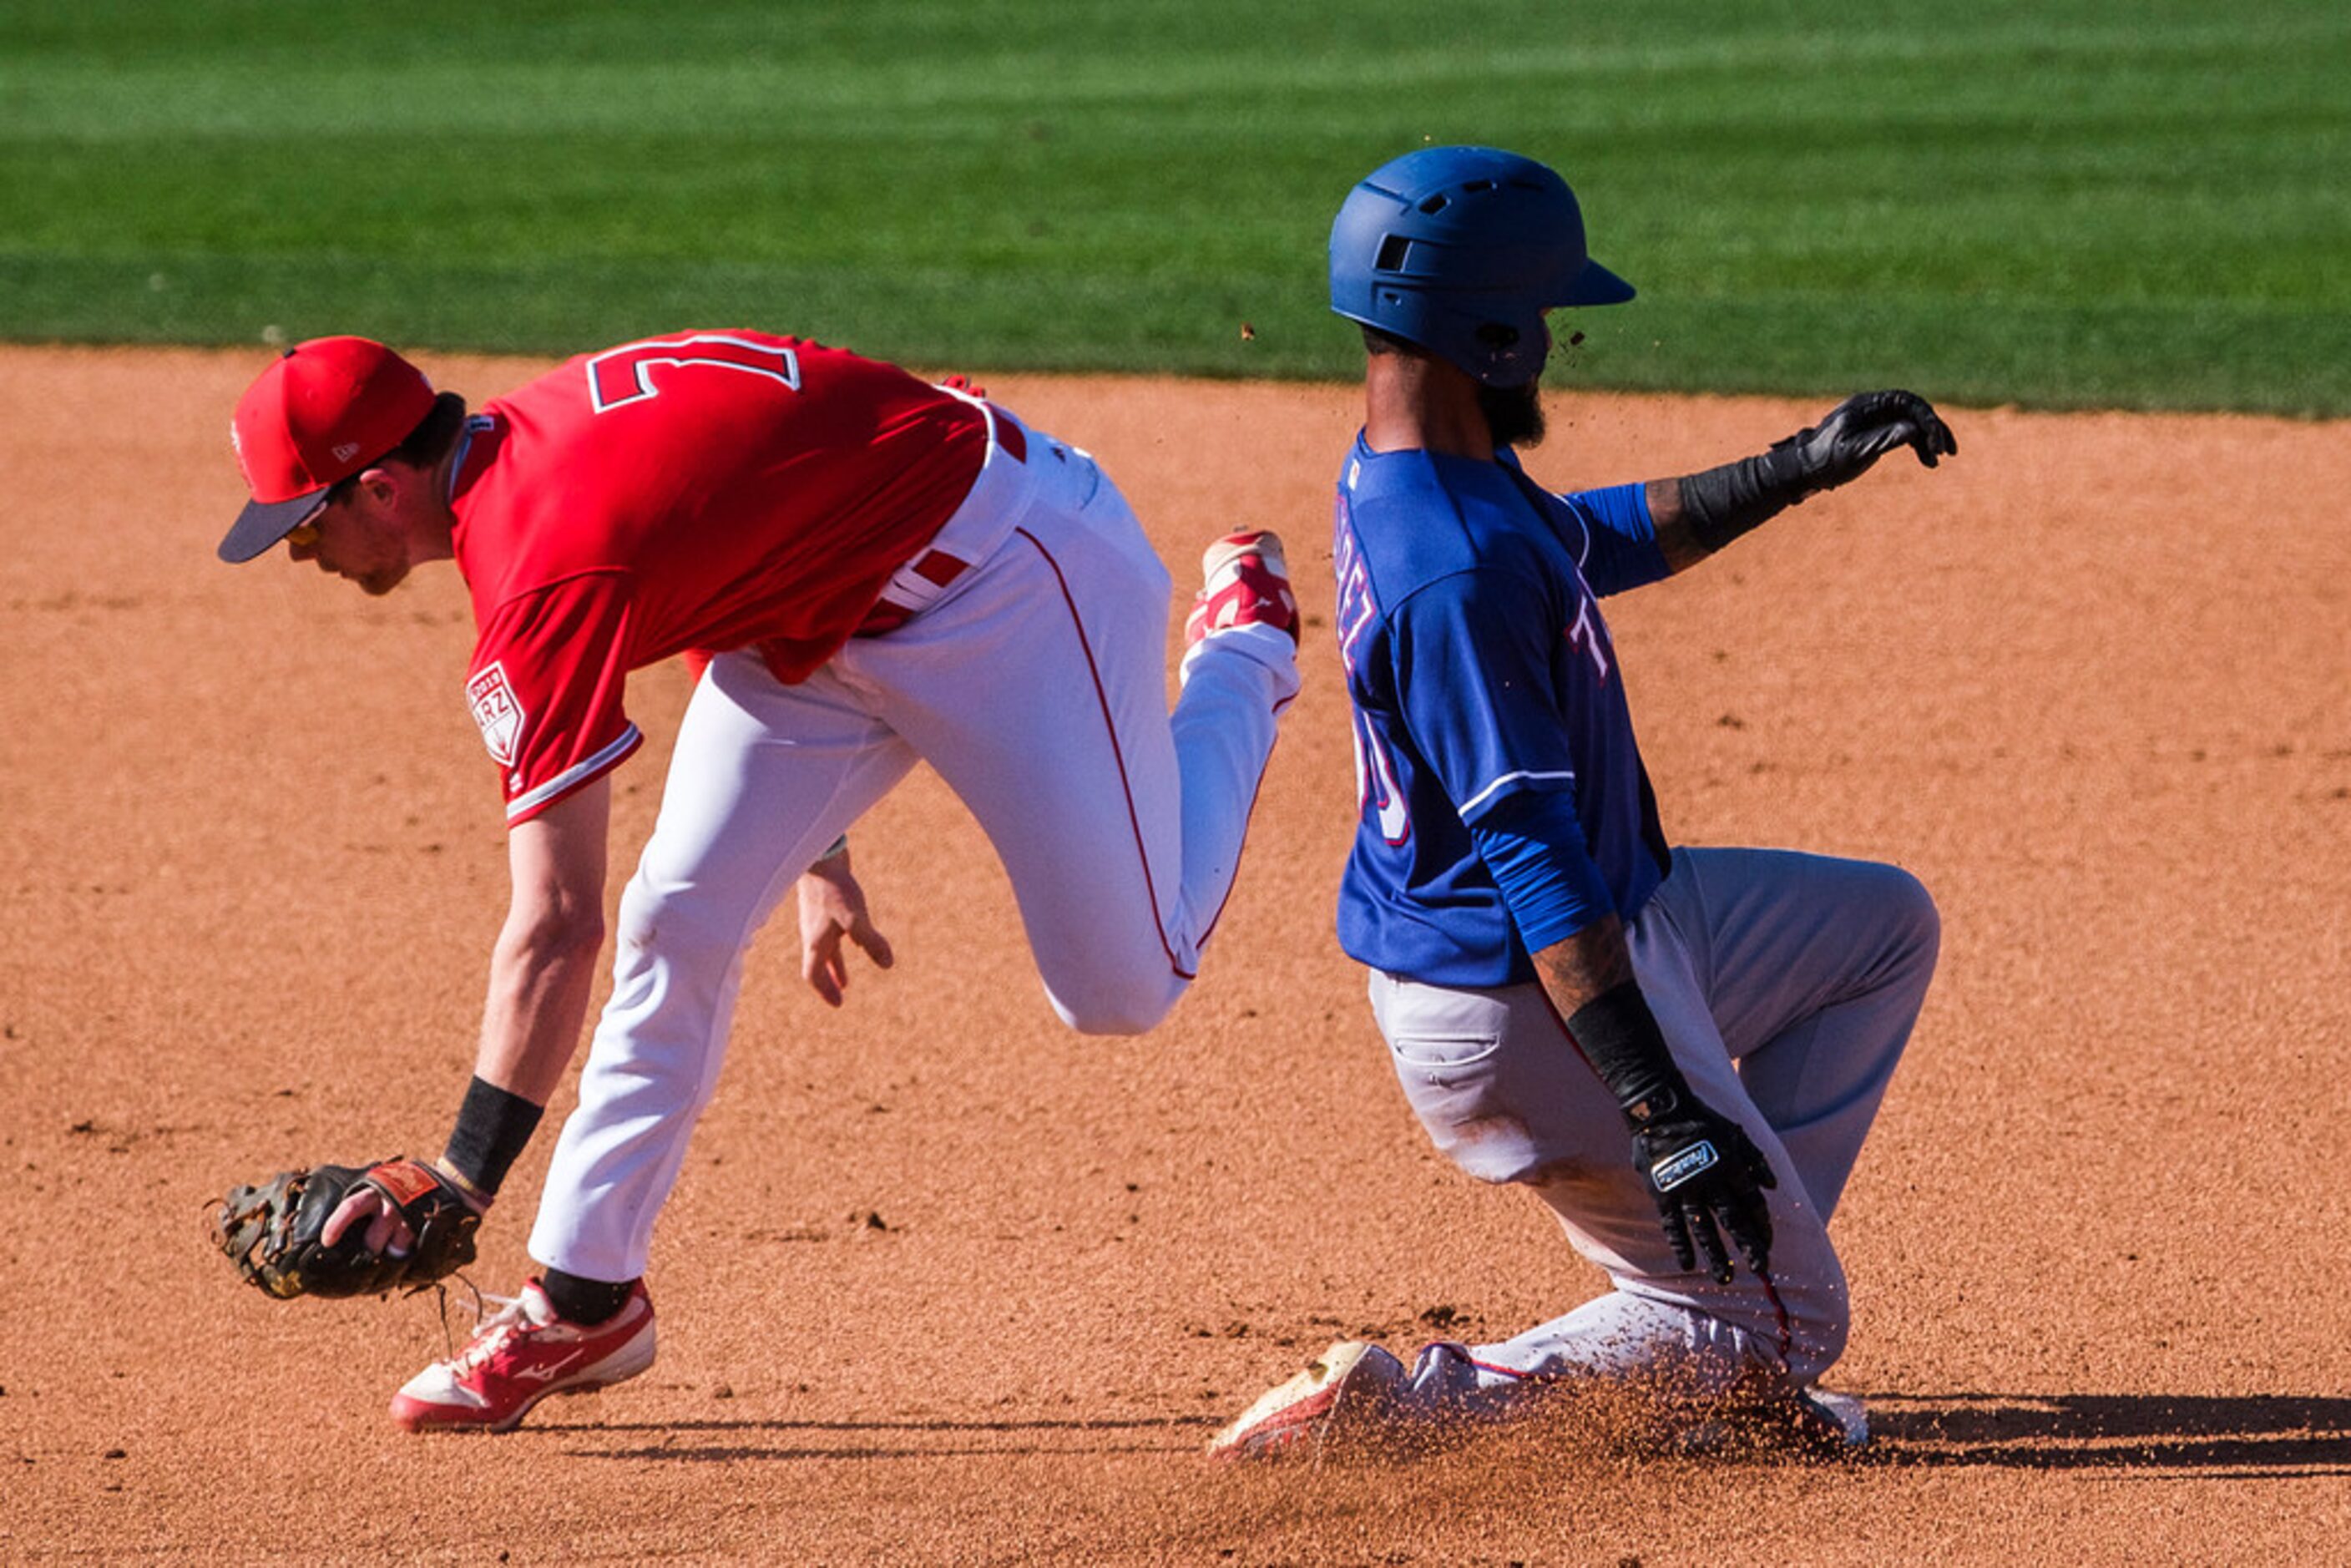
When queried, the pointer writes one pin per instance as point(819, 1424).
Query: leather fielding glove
point(271, 1232)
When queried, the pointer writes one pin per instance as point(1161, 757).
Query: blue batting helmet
point(1460, 250)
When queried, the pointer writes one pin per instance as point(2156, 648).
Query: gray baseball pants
point(1786, 986)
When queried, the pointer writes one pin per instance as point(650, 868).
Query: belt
point(936, 566)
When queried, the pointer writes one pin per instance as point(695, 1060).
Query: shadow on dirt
point(2127, 1435)
point(2244, 1435)
point(1148, 1435)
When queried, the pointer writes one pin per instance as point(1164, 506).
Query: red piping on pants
point(1102, 699)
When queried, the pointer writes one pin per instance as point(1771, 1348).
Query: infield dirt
point(945, 1284)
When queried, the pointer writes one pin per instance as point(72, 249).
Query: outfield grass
point(2048, 202)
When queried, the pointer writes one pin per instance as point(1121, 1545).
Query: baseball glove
point(271, 1232)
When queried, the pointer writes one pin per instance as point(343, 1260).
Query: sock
point(579, 1300)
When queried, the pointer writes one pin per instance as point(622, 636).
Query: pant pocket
point(1439, 1054)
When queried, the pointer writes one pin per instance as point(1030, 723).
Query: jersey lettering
point(1357, 610)
point(1585, 634)
point(1376, 790)
point(619, 377)
point(1377, 793)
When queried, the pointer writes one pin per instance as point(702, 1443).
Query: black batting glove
point(1708, 1179)
point(1861, 429)
point(1721, 504)
point(1707, 1175)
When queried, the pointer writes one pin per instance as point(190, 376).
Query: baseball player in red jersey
point(876, 570)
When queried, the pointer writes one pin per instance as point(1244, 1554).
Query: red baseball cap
point(327, 408)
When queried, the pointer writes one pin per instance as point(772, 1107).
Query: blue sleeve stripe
point(1523, 776)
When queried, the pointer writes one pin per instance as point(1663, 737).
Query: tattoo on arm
point(1677, 539)
point(1580, 968)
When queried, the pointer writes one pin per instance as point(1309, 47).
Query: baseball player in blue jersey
point(1677, 1050)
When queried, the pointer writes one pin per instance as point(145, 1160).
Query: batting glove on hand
point(1864, 428)
point(1708, 1179)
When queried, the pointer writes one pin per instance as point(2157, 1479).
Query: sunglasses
point(305, 533)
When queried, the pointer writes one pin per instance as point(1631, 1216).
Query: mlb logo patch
point(496, 711)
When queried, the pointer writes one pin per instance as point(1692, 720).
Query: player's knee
point(1116, 1010)
point(1816, 1334)
point(1905, 913)
point(1914, 906)
point(656, 927)
point(1809, 1296)
point(1829, 1324)
point(1922, 923)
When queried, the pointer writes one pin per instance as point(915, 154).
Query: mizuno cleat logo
point(541, 1374)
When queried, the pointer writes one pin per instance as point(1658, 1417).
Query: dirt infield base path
point(946, 1284)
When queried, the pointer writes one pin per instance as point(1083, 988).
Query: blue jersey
point(1481, 669)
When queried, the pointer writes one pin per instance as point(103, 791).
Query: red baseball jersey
point(702, 491)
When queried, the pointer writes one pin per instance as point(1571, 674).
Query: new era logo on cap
point(320, 414)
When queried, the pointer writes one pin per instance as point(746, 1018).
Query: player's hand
point(832, 906)
point(1864, 428)
point(1708, 1179)
point(387, 1232)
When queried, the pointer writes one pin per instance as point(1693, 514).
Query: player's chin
point(376, 584)
point(1514, 415)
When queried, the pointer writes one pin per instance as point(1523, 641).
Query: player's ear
point(383, 485)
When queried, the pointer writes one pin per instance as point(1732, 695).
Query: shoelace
point(493, 1329)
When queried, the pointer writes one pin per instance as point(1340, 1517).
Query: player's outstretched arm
point(1706, 1174)
point(1697, 514)
point(541, 973)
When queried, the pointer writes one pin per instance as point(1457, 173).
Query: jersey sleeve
point(546, 687)
point(1533, 848)
point(1621, 537)
point(1472, 668)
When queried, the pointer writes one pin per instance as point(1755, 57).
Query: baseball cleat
point(1345, 1390)
point(1807, 1423)
point(1245, 582)
point(519, 1355)
point(1830, 1423)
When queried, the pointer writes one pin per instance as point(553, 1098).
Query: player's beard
point(1514, 415)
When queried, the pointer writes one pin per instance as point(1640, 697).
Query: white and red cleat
point(1246, 583)
point(518, 1357)
point(1348, 1392)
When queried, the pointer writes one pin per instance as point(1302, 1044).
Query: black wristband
point(1723, 503)
point(493, 1125)
point(1619, 1035)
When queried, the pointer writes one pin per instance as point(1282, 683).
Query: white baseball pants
point(1036, 686)
point(1786, 986)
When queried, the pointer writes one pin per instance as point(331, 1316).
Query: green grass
point(2059, 203)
